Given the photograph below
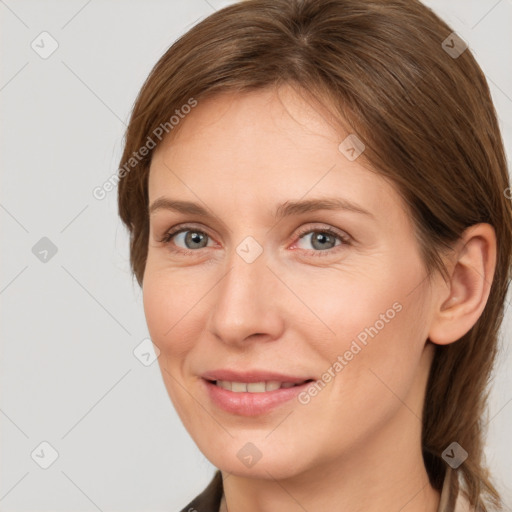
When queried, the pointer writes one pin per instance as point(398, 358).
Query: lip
point(246, 403)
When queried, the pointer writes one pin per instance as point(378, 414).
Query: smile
point(252, 398)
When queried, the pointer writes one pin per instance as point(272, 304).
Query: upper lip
point(251, 376)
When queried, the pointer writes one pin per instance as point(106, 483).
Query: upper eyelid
point(343, 235)
point(181, 228)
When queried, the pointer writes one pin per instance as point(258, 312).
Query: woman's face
point(262, 284)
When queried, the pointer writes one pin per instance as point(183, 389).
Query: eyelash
point(345, 239)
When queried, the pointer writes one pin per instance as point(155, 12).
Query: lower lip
point(251, 404)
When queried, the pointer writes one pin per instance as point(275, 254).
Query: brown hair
point(428, 123)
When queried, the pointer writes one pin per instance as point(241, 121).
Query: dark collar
point(209, 499)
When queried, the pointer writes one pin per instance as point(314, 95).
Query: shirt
point(210, 499)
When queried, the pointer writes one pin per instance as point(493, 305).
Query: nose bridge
point(245, 301)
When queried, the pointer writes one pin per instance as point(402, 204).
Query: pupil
point(321, 239)
point(194, 237)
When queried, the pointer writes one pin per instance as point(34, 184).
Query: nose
point(247, 303)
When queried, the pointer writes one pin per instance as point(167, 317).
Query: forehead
point(263, 147)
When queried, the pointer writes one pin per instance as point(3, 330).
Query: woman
point(315, 192)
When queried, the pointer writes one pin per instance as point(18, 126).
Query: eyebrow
point(285, 209)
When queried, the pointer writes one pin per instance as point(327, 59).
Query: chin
point(259, 459)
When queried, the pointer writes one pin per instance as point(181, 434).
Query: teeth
point(253, 387)
point(272, 385)
point(238, 387)
point(224, 384)
point(256, 387)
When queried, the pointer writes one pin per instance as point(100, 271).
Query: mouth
point(252, 395)
point(256, 387)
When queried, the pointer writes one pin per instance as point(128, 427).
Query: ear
point(462, 299)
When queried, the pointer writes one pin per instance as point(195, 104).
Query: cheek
point(378, 325)
point(372, 380)
point(169, 300)
point(346, 305)
point(169, 311)
point(381, 357)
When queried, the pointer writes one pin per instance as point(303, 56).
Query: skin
point(357, 444)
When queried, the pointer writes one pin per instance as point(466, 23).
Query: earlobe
point(462, 299)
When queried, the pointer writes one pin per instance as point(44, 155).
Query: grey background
point(69, 325)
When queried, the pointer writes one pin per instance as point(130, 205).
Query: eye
point(321, 240)
point(186, 238)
